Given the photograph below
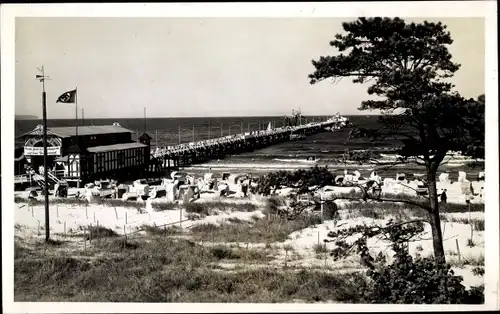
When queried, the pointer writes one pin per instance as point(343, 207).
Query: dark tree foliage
point(301, 179)
point(405, 280)
point(407, 66)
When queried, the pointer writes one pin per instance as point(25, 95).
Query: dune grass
point(478, 224)
point(161, 231)
point(402, 211)
point(167, 270)
point(464, 261)
point(206, 208)
point(261, 231)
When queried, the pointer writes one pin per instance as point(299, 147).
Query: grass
point(205, 208)
point(261, 231)
point(101, 232)
point(164, 206)
point(255, 217)
point(235, 220)
point(381, 210)
point(460, 208)
point(320, 249)
point(159, 231)
point(472, 261)
point(168, 270)
point(224, 252)
point(478, 224)
point(401, 211)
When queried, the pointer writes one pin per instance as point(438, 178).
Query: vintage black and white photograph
point(261, 159)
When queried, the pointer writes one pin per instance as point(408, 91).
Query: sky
point(187, 67)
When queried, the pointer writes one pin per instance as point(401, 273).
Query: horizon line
point(188, 117)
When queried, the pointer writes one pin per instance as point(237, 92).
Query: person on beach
point(444, 197)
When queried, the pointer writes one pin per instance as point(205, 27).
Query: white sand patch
point(470, 280)
point(70, 218)
point(74, 216)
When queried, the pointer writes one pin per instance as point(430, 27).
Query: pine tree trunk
point(434, 218)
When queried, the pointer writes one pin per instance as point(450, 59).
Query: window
point(121, 158)
point(100, 162)
point(139, 156)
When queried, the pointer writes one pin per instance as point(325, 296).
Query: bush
point(406, 280)
point(101, 232)
point(222, 252)
point(419, 281)
point(330, 210)
point(197, 208)
point(301, 179)
point(478, 271)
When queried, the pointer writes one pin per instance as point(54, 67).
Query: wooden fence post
point(458, 250)
point(125, 238)
point(90, 234)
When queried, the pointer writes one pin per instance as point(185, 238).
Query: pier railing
point(212, 129)
point(282, 133)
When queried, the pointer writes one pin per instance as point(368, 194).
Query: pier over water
point(201, 151)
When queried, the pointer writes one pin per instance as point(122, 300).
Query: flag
point(68, 97)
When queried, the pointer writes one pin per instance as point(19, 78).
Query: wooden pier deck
point(197, 152)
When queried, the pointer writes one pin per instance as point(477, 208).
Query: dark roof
point(69, 131)
point(145, 136)
point(75, 149)
point(107, 148)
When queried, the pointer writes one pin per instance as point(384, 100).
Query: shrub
point(117, 245)
point(478, 271)
point(406, 280)
point(197, 208)
point(478, 224)
point(470, 243)
point(222, 252)
point(101, 232)
point(301, 179)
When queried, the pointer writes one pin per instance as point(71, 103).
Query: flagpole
point(76, 113)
